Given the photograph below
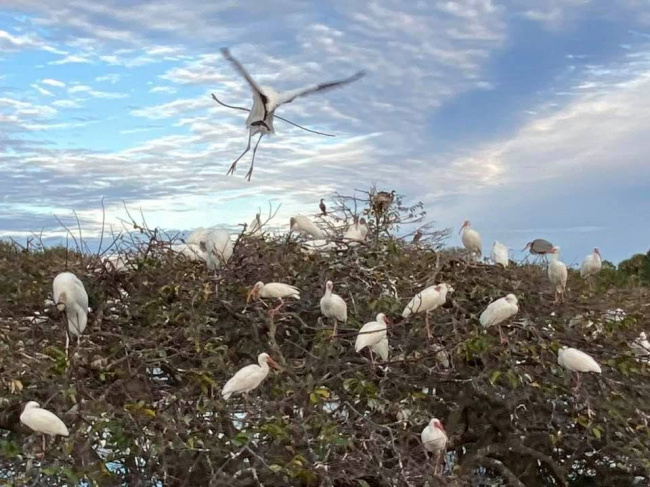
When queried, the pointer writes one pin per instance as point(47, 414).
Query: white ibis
point(641, 347)
point(434, 440)
point(557, 273)
point(426, 301)
point(70, 296)
point(189, 251)
point(215, 242)
point(499, 311)
point(500, 254)
point(577, 361)
point(117, 263)
point(333, 307)
point(591, 266)
point(373, 335)
point(266, 100)
point(471, 240)
point(355, 231)
point(273, 290)
point(250, 377)
point(322, 207)
point(42, 421)
point(255, 228)
point(363, 228)
point(304, 226)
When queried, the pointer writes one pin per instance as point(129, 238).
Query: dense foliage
point(141, 394)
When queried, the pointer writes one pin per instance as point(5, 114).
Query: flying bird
point(557, 273)
point(71, 297)
point(471, 240)
point(332, 306)
point(250, 377)
point(266, 100)
point(577, 361)
point(42, 421)
point(499, 311)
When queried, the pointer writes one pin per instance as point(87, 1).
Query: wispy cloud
point(41, 90)
point(71, 59)
point(53, 82)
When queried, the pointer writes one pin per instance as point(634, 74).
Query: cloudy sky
point(531, 119)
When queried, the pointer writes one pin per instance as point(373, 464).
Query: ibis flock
point(214, 247)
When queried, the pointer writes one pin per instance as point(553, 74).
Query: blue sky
point(528, 118)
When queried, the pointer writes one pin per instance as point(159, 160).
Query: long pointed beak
point(251, 294)
point(273, 363)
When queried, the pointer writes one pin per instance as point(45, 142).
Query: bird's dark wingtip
point(225, 51)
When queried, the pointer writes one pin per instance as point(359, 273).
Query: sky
point(531, 119)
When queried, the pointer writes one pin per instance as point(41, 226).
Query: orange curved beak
point(273, 363)
point(251, 294)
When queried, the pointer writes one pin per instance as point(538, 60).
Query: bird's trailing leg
point(504, 340)
point(426, 323)
point(43, 436)
point(336, 322)
point(273, 311)
point(577, 386)
point(250, 171)
point(67, 342)
point(437, 457)
point(234, 164)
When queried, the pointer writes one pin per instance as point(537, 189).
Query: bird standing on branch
point(323, 208)
point(266, 100)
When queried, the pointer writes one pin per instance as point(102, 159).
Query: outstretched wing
point(289, 96)
point(242, 71)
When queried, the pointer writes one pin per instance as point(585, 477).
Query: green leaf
point(275, 468)
point(495, 376)
point(597, 432)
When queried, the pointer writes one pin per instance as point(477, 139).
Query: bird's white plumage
point(69, 290)
point(434, 437)
point(305, 226)
point(591, 265)
point(500, 310)
point(471, 239)
point(189, 251)
point(373, 335)
point(255, 227)
point(247, 378)
point(500, 254)
point(358, 230)
point(641, 347)
point(276, 290)
point(42, 421)
point(428, 299)
point(215, 242)
point(557, 271)
point(577, 361)
point(332, 305)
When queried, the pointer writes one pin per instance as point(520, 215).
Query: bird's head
point(60, 305)
point(255, 291)
point(265, 358)
point(292, 223)
point(597, 251)
point(435, 423)
point(466, 224)
point(362, 221)
point(447, 287)
point(554, 250)
point(528, 245)
point(511, 298)
point(31, 405)
point(382, 318)
point(329, 285)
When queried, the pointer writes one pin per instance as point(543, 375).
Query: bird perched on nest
point(499, 311)
point(266, 100)
point(591, 266)
point(500, 254)
point(382, 201)
point(471, 240)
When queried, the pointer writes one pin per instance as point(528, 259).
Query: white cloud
point(67, 104)
point(163, 89)
point(79, 89)
point(111, 78)
point(41, 90)
point(53, 82)
point(71, 59)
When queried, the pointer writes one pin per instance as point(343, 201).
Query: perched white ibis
point(248, 378)
point(373, 335)
point(434, 440)
point(333, 307)
point(426, 301)
point(255, 228)
point(70, 296)
point(189, 251)
point(356, 231)
point(363, 228)
point(273, 290)
point(641, 347)
point(591, 266)
point(42, 421)
point(117, 263)
point(577, 361)
point(322, 207)
point(499, 311)
point(500, 254)
point(266, 100)
point(304, 226)
point(557, 273)
point(471, 240)
point(215, 242)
